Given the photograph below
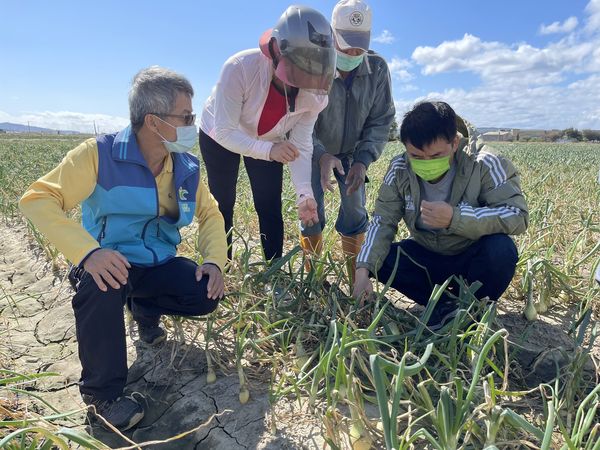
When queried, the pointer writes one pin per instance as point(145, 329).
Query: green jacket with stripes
point(486, 198)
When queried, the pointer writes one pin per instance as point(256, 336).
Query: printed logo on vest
point(185, 207)
point(183, 194)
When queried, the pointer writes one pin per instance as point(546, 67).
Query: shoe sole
point(134, 421)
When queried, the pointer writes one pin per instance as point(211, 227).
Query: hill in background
point(18, 128)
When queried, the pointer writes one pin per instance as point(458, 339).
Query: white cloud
point(399, 69)
point(386, 37)
point(577, 104)
point(556, 27)
point(67, 120)
point(522, 86)
point(495, 61)
point(593, 11)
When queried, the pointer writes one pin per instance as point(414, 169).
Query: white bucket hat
point(351, 23)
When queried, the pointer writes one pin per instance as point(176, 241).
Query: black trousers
point(170, 288)
point(491, 260)
point(266, 181)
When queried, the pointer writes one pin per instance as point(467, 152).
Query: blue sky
point(522, 64)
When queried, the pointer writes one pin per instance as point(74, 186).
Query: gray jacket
point(486, 199)
point(356, 122)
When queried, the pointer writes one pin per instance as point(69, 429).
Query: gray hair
point(154, 91)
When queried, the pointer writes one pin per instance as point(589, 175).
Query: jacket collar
point(365, 66)
point(125, 147)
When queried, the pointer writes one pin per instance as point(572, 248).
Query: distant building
point(501, 135)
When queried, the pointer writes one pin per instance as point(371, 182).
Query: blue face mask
point(186, 139)
point(347, 63)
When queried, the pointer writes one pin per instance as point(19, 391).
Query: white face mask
point(186, 139)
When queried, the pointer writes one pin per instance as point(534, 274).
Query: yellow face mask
point(430, 169)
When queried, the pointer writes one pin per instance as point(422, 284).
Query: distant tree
point(394, 134)
point(591, 135)
point(553, 136)
point(573, 133)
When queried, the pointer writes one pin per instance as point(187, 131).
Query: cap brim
point(263, 42)
point(353, 39)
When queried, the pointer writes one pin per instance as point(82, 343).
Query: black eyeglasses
point(188, 119)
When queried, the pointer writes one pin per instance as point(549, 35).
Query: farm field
point(320, 369)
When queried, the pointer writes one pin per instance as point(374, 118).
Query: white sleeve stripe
point(499, 169)
point(391, 174)
point(497, 172)
point(478, 213)
point(469, 207)
point(371, 232)
point(366, 248)
point(493, 173)
point(502, 215)
point(389, 177)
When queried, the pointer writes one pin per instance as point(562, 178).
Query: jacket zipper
point(345, 118)
point(157, 218)
point(102, 234)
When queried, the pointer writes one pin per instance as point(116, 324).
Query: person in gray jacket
point(351, 132)
point(459, 201)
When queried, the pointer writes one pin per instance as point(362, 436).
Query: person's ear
point(150, 121)
point(455, 142)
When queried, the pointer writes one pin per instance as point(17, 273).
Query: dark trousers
point(170, 288)
point(266, 181)
point(491, 260)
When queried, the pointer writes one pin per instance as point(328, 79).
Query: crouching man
point(137, 189)
point(459, 202)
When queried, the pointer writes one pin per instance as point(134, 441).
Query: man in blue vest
point(137, 189)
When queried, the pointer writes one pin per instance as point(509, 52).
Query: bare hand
point(107, 267)
point(355, 178)
point(216, 286)
point(307, 212)
point(362, 284)
point(284, 152)
point(436, 214)
point(328, 163)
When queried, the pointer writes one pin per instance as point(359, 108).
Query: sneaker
point(152, 335)
point(442, 314)
point(122, 413)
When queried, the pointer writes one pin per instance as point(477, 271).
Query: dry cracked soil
point(36, 313)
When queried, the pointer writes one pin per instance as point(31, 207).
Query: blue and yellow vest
point(123, 211)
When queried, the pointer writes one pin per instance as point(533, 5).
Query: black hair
point(427, 122)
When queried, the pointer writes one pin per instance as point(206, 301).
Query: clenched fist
point(436, 214)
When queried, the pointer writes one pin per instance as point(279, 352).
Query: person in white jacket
point(264, 108)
